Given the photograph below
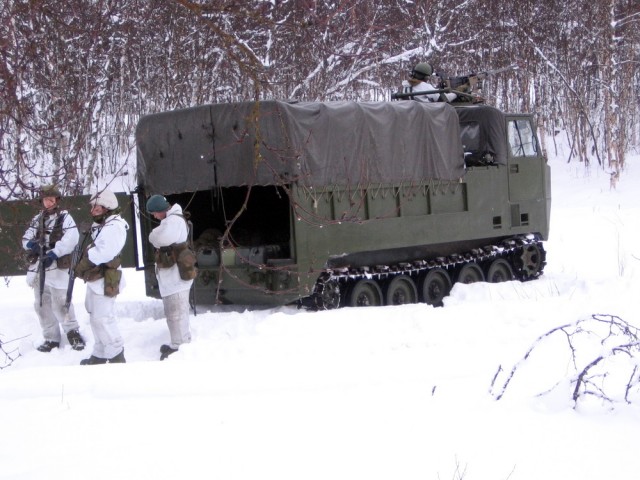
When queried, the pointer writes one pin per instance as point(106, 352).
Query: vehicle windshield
point(522, 141)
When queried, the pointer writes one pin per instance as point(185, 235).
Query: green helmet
point(50, 191)
point(421, 71)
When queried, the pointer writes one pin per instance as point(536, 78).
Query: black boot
point(118, 358)
point(166, 350)
point(93, 361)
point(75, 340)
point(47, 346)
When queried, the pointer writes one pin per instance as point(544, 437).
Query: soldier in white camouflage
point(100, 268)
point(418, 82)
point(175, 277)
point(49, 241)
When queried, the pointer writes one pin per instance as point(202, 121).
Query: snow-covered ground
point(378, 393)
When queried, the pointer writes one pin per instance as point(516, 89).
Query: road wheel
point(400, 290)
point(499, 271)
point(434, 286)
point(470, 273)
point(365, 293)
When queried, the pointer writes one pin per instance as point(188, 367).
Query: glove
point(49, 258)
point(34, 247)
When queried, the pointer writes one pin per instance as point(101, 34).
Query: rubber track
point(511, 250)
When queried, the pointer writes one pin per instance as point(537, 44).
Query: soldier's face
point(97, 210)
point(49, 202)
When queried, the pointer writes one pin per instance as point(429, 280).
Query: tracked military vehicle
point(330, 204)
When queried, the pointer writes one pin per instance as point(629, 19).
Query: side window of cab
point(522, 140)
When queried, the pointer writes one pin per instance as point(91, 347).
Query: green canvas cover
point(484, 130)
point(312, 143)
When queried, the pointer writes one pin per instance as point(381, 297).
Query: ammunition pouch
point(112, 278)
point(180, 254)
point(64, 262)
point(186, 260)
point(165, 257)
point(88, 271)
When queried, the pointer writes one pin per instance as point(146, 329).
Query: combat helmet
point(106, 199)
point(421, 71)
point(50, 191)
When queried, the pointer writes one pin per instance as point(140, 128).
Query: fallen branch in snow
point(9, 355)
point(517, 365)
point(460, 472)
point(598, 347)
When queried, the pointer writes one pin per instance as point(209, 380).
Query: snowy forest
point(76, 75)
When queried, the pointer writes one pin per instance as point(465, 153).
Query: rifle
point(75, 258)
point(42, 255)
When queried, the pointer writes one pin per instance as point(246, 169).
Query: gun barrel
point(67, 303)
point(75, 258)
point(395, 96)
point(72, 279)
point(41, 269)
point(416, 94)
point(41, 273)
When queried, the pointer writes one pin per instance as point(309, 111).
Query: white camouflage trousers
point(176, 308)
point(52, 314)
point(108, 341)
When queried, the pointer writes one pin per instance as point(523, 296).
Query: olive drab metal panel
point(15, 216)
point(526, 165)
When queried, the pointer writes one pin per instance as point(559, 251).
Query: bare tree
point(76, 75)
